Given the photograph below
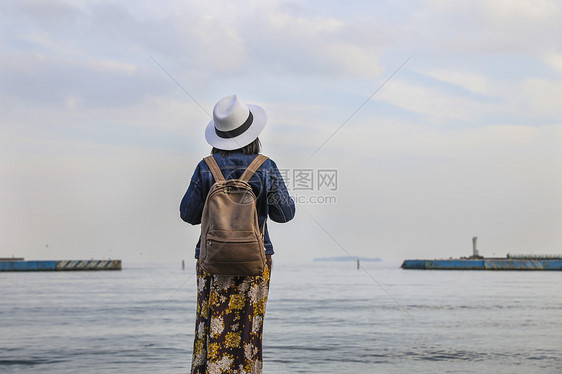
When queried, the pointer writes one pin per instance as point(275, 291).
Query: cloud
point(554, 59)
point(515, 11)
point(59, 81)
point(41, 13)
point(518, 26)
point(543, 96)
point(473, 82)
point(431, 102)
point(524, 98)
point(202, 46)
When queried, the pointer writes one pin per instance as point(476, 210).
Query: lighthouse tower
point(475, 247)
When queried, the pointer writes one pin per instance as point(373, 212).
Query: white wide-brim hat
point(234, 124)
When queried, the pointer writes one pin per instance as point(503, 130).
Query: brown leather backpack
point(231, 239)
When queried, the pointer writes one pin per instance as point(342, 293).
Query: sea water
point(322, 317)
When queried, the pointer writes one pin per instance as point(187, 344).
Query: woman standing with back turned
point(231, 309)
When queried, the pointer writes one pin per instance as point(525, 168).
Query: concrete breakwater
point(478, 262)
point(62, 265)
point(485, 264)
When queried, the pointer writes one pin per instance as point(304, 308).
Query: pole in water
point(183, 264)
point(358, 264)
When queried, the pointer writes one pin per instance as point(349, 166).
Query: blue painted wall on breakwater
point(28, 266)
point(484, 264)
point(70, 265)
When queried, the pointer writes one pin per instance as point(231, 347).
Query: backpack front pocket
point(233, 246)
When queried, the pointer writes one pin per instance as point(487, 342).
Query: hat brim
point(242, 140)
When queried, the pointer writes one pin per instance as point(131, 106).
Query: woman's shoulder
point(269, 164)
point(269, 160)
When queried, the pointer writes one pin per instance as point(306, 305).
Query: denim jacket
point(273, 199)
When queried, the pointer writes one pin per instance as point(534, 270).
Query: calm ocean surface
point(321, 318)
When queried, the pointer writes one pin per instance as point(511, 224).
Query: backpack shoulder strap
point(214, 167)
point(253, 167)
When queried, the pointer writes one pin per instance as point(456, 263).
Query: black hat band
point(237, 131)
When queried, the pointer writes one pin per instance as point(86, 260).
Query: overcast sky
point(98, 142)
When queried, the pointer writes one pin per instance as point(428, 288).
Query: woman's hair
point(251, 149)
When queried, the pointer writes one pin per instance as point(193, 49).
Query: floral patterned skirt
point(229, 322)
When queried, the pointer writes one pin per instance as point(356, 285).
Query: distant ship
point(477, 262)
